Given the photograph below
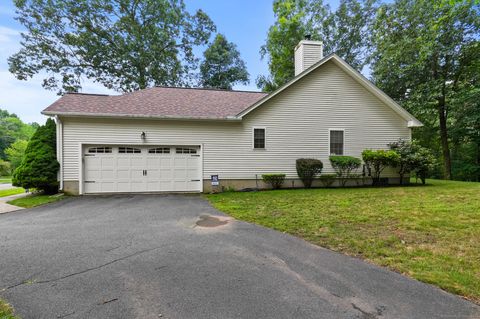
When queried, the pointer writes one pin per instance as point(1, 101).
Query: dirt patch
point(209, 221)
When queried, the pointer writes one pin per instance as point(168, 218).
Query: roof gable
point(412, 121)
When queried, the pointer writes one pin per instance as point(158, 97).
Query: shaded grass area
point(6, 311)
point(431, 233)
point(11, 191)
point(35, 200)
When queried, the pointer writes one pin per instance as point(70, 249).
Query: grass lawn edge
point(6, 311)
point(36, 200)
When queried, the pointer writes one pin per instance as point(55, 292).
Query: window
point(100, 150)
point(185, 150)
point(159, 150)
point(336, 142)
point(129, 150)
point(258, 138)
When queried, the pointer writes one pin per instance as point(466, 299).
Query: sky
point(244, 22)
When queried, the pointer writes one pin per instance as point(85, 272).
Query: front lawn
point(431, 233)
point(5, 180)
point(11, 191)
point(35, 200)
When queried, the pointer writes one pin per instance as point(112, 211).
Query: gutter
point(130, 116)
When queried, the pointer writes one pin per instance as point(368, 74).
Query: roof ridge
point(81, 93)
point(205, 89)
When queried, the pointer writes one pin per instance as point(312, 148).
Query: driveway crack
point(24, 282)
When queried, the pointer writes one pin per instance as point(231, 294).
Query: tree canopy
point(13, 129)
point(222, 66)
point(124, 45)
point(345, 31)
point(427, 57)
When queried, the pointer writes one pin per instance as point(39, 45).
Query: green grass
point(11, 191)
point(6, 311)
point(431, 233)
point(35, 200)
point(5, 179)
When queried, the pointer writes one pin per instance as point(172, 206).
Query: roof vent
point(308, 37)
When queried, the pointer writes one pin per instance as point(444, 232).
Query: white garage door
point(127, 169)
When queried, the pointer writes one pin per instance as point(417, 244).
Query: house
point(175, 139)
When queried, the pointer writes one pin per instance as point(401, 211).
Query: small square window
point(336, 142)
point(259, 138)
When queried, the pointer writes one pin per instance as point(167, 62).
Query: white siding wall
point(297, 123)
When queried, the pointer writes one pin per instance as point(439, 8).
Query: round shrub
point(308, 169)
point(345, 166)
point(378, 160)
point(274, 180)
point(39, 166)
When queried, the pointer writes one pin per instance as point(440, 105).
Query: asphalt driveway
point(144, 256)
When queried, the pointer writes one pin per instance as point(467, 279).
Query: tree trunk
point(447, 163)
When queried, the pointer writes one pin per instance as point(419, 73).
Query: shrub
point(345, 166)
point(308, 169)
point(377, 161)
point(39, 165)
point(412, 158)
point(406, 161)
point(275, 180)
point(424, 161)
point(327, 180)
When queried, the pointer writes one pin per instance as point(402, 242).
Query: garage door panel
point(160, 169)
point(107, 174)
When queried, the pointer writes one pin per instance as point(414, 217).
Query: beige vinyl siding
point(297, 123)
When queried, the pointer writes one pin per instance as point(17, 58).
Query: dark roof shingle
point(161, 102)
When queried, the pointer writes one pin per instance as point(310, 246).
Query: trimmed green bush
point(327, 180)
point(345, 166)
point(39, 166)
point(413, 158)
point(308, 169)
point(274, 180)
point(424, 161)
point(377, 161)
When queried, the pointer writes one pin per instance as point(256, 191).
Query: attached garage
point(135, 168)
point(174, 139)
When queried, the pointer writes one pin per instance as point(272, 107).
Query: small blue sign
point(214, 179)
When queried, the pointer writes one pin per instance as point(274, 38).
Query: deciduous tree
point(123, 44)
point(424, 54)
point(345, 31)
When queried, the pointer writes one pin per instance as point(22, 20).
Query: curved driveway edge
point(144, 256)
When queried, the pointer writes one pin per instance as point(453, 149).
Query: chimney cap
point(308, 37)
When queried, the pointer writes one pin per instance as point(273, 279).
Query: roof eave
point(139, 116)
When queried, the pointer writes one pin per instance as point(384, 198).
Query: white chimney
point(307, 53)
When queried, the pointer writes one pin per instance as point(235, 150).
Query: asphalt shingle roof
point(159, 102)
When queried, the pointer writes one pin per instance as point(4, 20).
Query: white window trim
point(253, 138)
point(329, 134)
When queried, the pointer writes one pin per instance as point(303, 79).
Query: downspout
point(60, 150)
